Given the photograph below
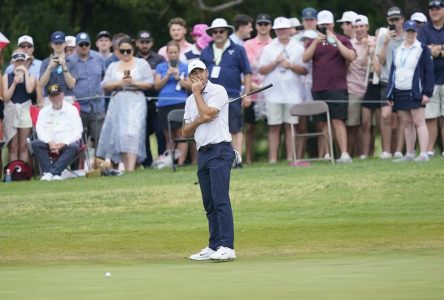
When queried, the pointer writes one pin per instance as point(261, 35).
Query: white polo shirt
point(288, 87)
point(217, 130)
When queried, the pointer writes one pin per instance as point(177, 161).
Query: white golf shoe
point(223, 253)
point(204, 254)
point(47, 177)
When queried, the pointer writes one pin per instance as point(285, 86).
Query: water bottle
point(8, 177)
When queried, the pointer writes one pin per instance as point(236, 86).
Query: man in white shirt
point(59, 129)
point(206, 117)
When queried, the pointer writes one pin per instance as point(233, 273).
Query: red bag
point(19, 170)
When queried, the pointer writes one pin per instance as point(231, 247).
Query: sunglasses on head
point(263, 23)
point(83, 45)
point(125, 51)
point(220, 31)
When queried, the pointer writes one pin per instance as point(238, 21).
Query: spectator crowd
point(392, 80)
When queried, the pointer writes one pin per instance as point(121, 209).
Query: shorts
point(250, 114)
point(373, 94)
point(278, 113)
point(403, 100)
point(235, 119)
point(338, 110)
point(92, 124)
point(435, 107)
point(354, 110)
point(163, 116)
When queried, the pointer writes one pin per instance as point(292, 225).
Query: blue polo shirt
point(89, 75)
point(168, 95)
point(56, 76)
point(430, 35)
point(233, 64)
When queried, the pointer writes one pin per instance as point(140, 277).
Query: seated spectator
point(18, 87)
point(59, 130)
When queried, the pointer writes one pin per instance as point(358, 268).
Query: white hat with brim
point(295, 22)
point(348, 16)
point(419, 17)
point(196, 64)
point(325, 17)
point(219, 23)
point(281, 23)
point(360, 20)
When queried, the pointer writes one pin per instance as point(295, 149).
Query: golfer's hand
point(196, 86)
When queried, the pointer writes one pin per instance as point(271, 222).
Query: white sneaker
point(363, 157)
point(46, 177)
point(223, 253)
point(57, 178)
point(398, 154)
point(431, 153)
point(345, 159)
point(204, 254)
point(407, 157)
point(385, 155)
point(422, 157)
point(327, 156)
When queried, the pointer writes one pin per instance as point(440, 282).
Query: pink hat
point(199, 29)
point(203, 40)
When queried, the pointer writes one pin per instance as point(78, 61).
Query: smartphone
point(126, 73)
point(56, 59)
point(173, 63)
point(392, 27)
point(323, 30)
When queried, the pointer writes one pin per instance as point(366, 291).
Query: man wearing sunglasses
point(348, 17)
point(88, 70)
point(26, 45)
point(226, 63)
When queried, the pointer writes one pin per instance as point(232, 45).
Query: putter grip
point(260, 90)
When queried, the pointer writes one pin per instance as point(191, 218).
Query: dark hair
point(178, 21)
point(173, 43)
point(126, 40)
point(117, 37)
point(241, 20)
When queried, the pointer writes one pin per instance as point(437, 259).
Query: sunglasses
point(221, 31)
point(263, 23)
point(125, 51)
point(84, 45)
point(26, 46)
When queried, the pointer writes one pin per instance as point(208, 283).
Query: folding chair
point(176, 116)
point(82, 154)
point(307, 109)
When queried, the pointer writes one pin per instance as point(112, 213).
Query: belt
point(208, 147)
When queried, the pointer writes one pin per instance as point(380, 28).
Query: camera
point(173, 63)
point(392, 27)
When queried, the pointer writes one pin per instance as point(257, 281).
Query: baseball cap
point(144, 35)
point(394, 13)
point(25, 39)
point(419, 17)
point(309, 13)
point(18, 55)
point(83, 37)
point(347, 16)
point(410, 25)
point(54, 89)
point(196, 64)
point(325, 17)
point(264, 18)
point(70, 41)
point(281, 23)
point(104, 33)
point(436, 3)
point(295, 22)
point(57, 37)
point(360, 20)
point(199, 29)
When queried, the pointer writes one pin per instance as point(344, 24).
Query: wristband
point(66, 70)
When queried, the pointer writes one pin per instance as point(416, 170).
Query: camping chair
point(307, 109)
point(176, 116)
point(81, 156)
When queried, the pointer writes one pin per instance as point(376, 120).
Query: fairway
point(367, 230)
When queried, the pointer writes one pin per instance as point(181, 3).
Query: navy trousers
point(214, 166)
point(41, 152)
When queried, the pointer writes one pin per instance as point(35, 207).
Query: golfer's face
point(199, 74)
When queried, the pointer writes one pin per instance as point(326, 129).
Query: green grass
point(367, 230)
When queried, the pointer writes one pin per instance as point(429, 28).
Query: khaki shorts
point(354, 110)
point(435, 107)
point(278, 113)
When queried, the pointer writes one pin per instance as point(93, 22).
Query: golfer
point(206, 117)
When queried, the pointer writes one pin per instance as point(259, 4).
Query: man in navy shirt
point(432, 34)
point(227, 63)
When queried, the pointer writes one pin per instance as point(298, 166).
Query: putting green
point(402, 275)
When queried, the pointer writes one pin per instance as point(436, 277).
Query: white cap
point(281, 23)
point(309, 34)
point(295, 22)
point(196, 64)
point(325, 17)
point(25, 39)
point(70, 41)
point(348, 16)
point(360, 20)
point(219, 23)
point(419, 17)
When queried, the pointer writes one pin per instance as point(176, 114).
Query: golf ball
point(107, 274)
